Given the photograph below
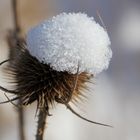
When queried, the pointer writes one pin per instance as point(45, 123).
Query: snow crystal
point(69, 41)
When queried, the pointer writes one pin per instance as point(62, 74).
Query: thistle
point(58, 58)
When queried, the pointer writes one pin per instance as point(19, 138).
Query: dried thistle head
point(60, 57)
point(38, 81)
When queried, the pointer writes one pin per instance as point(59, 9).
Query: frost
point(69, 41)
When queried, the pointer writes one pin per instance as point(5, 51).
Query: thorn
point(83, 118)
point(11, 101)
point(4, 61)
point(101, 19)
point(6, 90)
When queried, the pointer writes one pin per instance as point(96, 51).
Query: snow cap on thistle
point(69, 41)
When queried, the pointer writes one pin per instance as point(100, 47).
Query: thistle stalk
point(16, 38)
point(41, 124)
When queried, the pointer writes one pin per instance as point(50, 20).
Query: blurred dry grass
point(31, 12)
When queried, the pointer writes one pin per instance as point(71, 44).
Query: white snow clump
point(69, 41)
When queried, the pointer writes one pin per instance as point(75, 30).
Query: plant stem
point(41, 124)
point(16, 38)
point(21, 122)
point(15, 17)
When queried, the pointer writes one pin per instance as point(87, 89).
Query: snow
point(71, 40)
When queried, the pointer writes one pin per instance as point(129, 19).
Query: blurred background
point(113, 99)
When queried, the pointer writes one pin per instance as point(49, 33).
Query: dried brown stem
point(41, 124)
point(16, 39)
point(15, 17)
point(21, 121)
